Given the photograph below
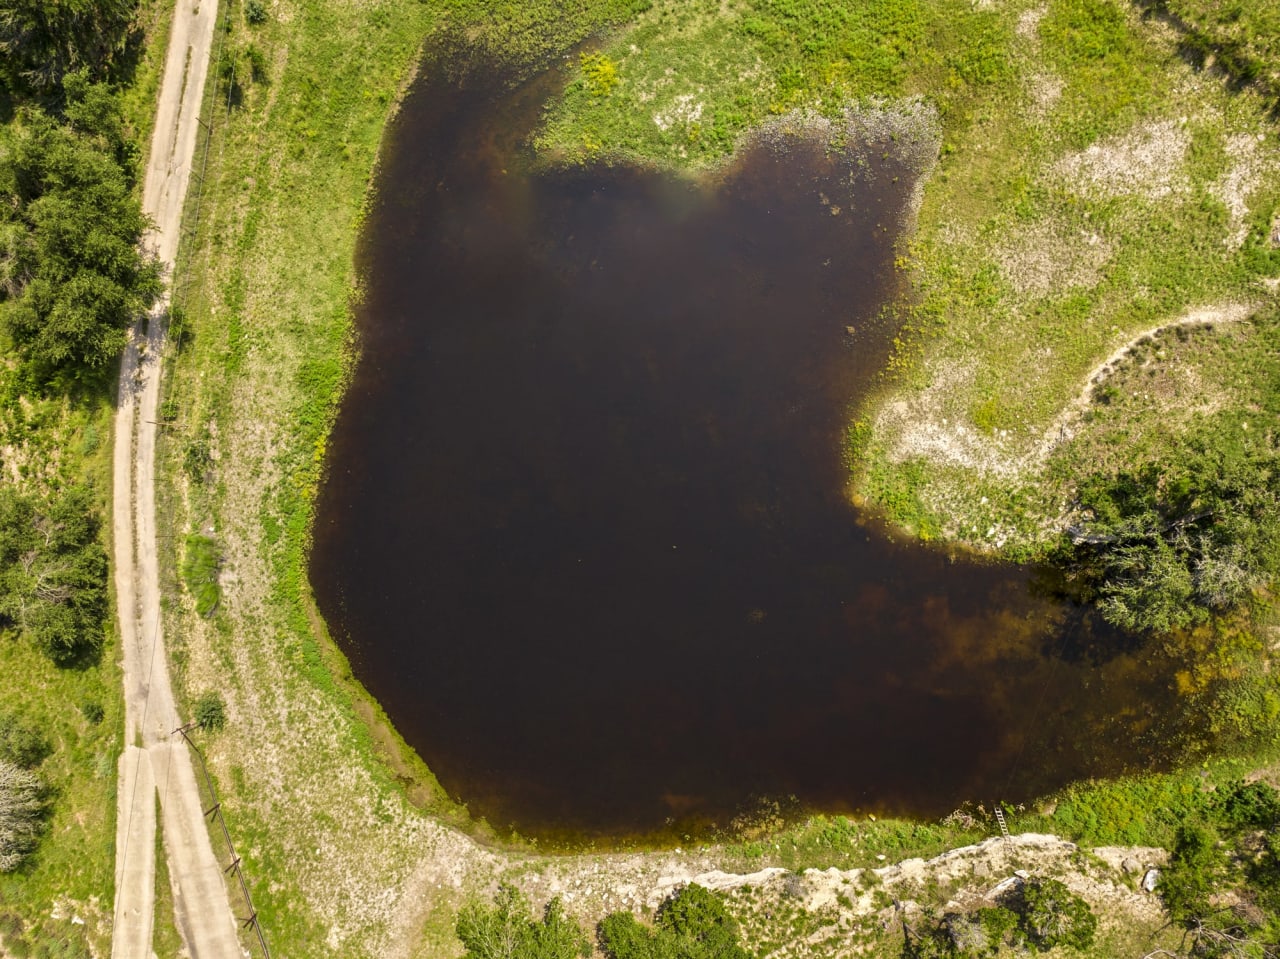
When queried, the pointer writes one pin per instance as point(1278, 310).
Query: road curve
point(158, 767)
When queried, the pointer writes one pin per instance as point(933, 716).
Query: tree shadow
point(1222, 57)
point(1084, 637)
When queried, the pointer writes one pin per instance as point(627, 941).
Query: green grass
point(74, 861)
point(200, 573)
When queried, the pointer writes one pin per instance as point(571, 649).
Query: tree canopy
point(506, 930)
point(53, 571)
point(42, 41)
point(72, 275)
point(693, 924)
point(1166, 546)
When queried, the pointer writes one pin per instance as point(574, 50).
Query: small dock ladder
point(1004, 826)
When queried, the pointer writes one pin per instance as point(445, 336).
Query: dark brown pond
point(585, 533)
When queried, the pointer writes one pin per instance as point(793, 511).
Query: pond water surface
point(585, 533)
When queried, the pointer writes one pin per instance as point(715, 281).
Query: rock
point(1004, 885)
point(1150, 879)
point(1130, 866)
point(981, 870)
point(1275, 233)
point(1022, 874)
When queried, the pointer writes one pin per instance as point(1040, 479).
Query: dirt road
point(158, 767)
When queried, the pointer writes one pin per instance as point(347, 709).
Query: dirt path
point(158, 767)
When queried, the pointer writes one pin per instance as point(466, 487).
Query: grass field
point(1036, 255)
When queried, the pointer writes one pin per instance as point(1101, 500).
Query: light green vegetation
point(200, 572)
point(74, 860)
point(1241, 38)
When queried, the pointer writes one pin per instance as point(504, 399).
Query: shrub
point(21, 745)
point(1195, 870)
point(22, 806)
point(1053, 915)
point(211, 711)
point(200, 573)
point(506, 930)
point(693, 924)
point(53, 572)
point(255, 11)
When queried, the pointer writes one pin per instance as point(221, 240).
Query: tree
point(41, 41)
point(73, 277)
point(22, 807)
point(693, 924)
point(506, 930)
point(53, 571)
point(1053, 915)
point(1164, 547)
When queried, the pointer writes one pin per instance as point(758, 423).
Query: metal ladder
point(1004, 826)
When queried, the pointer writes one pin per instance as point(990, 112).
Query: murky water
point(585, 533)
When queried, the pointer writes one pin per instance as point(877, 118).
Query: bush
point(693, 924)
point(1052, 915)
point(92, 712)
point(506, 930)
point(22, 806)
point(1042, 915)
point(211, 711)
point(53, 572)
point(1196, 867)
point(255, 11)
point(21, 745)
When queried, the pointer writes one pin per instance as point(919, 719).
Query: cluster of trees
point(1222, 883)
point(23, 796)
point(693, 924)
point(72, 274)
point(73, 278)
point(1166, 547)
point(1035, 916)
point(53, 572)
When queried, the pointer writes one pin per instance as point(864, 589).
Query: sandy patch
point(1029, 23)
point(927, 426)
point(1147, 161)
point(1047, 256)
point(1044, 90)
point(685, 110)
point(1246, 173)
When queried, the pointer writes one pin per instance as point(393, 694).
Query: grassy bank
point(1032, 254)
